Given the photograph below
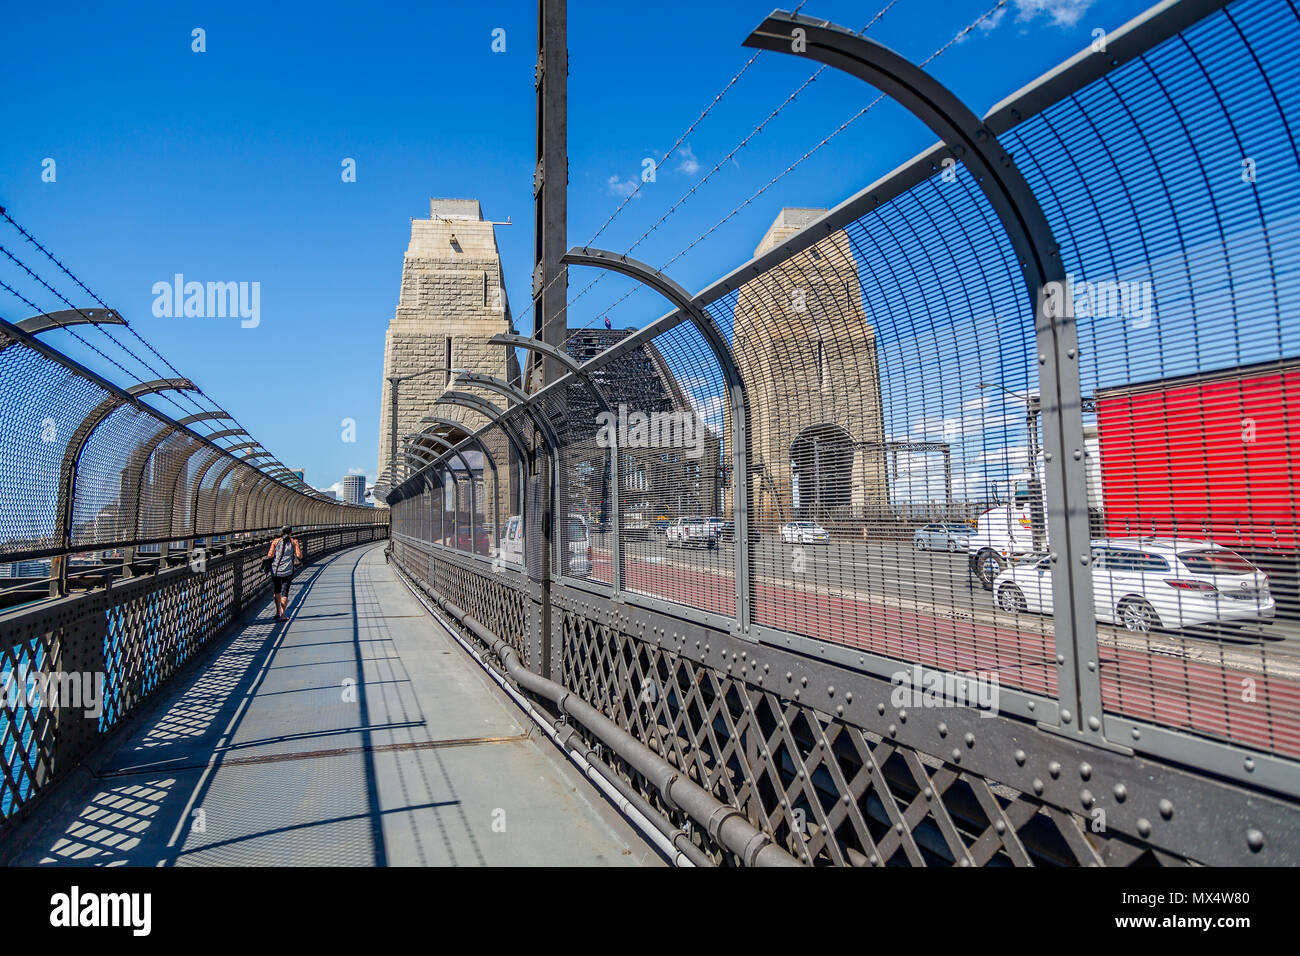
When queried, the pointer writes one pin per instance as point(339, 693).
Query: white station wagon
point(1141, 583)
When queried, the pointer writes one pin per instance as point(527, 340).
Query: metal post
point(615, 508)
point(392, 429)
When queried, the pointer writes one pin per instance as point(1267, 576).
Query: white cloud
point(1063, 13)
point(622, 187)
point(689, 164)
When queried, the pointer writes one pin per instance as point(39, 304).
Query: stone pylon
point(453, 299)
point(808, 354)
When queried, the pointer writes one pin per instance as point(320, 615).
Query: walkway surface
point(358, 733)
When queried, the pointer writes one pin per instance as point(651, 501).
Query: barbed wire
point(667, 155)
point(169, 395)
point(745, 141)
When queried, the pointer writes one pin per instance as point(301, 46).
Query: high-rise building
point(354, 489)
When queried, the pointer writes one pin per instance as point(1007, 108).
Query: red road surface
point(1218, 700)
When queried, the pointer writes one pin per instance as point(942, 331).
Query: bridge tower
point(807, 351)
point(453, 299)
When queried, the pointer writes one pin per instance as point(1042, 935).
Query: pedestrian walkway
point(357, 733)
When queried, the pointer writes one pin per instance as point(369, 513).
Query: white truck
point(1006, 534)
point(692, 532)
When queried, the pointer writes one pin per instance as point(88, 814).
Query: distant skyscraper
point(354, 489)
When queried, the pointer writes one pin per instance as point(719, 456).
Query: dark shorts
point(278, 581)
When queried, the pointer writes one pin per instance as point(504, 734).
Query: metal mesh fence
point(899, 404)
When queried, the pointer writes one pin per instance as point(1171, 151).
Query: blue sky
point(225, 165)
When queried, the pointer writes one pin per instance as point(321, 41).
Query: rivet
point(1066, 716)
point(830, 691)
point(1121, 792)
point(789, 676)
point(929, 793)
point(803, 682)
point(880, 708)
point(1166, 809)
point(1254, 840)
point(893, 730)
point(1249, 764)
point(1085, 770)
point(848, 698)
point(943, 729)
point(898, 828)
point(1085, 797)
point(1000, 826)
point(970, 740)
point(902, 716)
point(1020, 758)
point(1144, 827)
point(1038, 786)
point(1054, 768)
point(956, 755)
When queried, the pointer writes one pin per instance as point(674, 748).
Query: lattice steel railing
point(72, 668)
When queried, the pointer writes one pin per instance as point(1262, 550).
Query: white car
point(1141, 583)
point(804, 532)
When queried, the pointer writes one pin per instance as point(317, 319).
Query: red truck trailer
point(1211, 456)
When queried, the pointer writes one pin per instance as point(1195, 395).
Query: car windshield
point(1217, 561)
point(960, 528)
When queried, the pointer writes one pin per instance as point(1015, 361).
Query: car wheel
point(952, 547)
point(1137, 615)
point(919, 543)
point(1011, 599)
point(987, 567)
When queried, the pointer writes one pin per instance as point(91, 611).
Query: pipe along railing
point(727, 825)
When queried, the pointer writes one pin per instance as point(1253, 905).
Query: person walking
point(283, 551)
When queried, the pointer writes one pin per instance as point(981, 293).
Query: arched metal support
point(737, 403)
point(62, 319)
point(515, 496)
point(489, 411)
point(72, 457)
point(57, 320)
point(508, 391)
point(559, 355)
point(217, 415)
point(449, 448)
point(228, 433)
point(974, 143)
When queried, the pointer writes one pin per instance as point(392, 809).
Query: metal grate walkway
point(358, 733)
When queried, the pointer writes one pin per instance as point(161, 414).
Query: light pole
point(1033, 407)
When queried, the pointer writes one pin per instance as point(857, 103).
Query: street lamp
point(393, 381)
